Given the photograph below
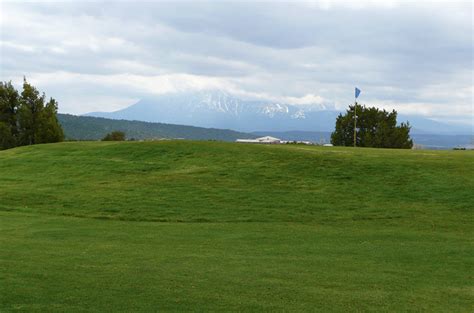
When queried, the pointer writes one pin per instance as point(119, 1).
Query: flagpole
point(355, 122)
point(356, 94)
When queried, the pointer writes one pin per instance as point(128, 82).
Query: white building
point(266, 139)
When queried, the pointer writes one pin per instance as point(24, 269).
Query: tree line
point(27, 118)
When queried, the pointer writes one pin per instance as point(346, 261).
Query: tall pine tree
point(29, 114)
point(9, 102)
point(49, 128)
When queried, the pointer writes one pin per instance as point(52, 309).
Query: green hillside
point(95, 128)
point(209, 226)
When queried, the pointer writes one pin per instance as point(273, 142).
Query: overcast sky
point(416, 57)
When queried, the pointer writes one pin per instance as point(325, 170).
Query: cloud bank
point(102, 56)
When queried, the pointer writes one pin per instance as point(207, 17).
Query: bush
point(114, 136)
point(375, 128)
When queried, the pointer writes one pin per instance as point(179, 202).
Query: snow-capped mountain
point(219, 109)
point(222, 102)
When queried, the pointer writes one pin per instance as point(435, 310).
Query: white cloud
point(306, 99)
point(138, 84)
point(93, 103)
point(17, 46)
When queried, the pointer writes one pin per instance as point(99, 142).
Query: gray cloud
point(414, 57)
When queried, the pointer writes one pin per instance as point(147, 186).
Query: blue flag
point(357, 92)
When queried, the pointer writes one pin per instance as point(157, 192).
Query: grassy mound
point(219, 182)
point(241, 227)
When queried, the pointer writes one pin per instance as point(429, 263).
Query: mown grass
point(220, 226)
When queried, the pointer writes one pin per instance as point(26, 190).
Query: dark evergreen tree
point(49, 128)
point(30, 114)
point(375, 128)
point(9, 102)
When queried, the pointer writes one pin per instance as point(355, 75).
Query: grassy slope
point(241, 227)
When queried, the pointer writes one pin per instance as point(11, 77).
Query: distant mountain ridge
point(219, 109)
point(95, 128)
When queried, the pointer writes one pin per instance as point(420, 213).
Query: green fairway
point(207, 226)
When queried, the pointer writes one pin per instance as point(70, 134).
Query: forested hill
point(94, 128)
